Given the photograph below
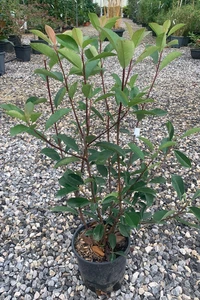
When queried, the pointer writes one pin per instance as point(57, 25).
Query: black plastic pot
point(3, 46)
point(182, 41)
point(195, 53)
point(23, 52)
point(2, 63)
point(38, 41)
point(104, 276)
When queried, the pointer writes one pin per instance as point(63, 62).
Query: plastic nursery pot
point(40, 42)
point(195, 53)
point(103, 276)
point(23, 52)
point(2, 63)
point(182, 41)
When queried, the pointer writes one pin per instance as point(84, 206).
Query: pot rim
point(80, 228)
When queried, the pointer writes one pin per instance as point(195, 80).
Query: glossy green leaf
point(182, 221)
point(56, 117)
point(112, 240)
point(78, 202)
point(111, 36)
point(195, 211)
point(170, 129)
point(44, 49)
point(113, 147)
point(98, 232)
point(72, 57)
point(169, 58)
point(147, 142)
point(94, 20)
point(59, 96)
point(66, 190)
point(166, 25)
point(67, 41)
point(64, 209)
point(158, 29)
point(125, 50)
point(87, 90)
point(161, 215)
point(11, 107)
point(97, 113)
point(102, 170)
point(167, 145)
point(124, 230)
point(138, 36)
point(71, 179)
point(158, 179)
point(147, 52)
point(55, 75)
point(20, 128)
point(65, 161)
point(40, 35)
point(136, 150)
point(183, 159)
point(72, 89)
point(69, 141)
point(175, 28)
point(78, 36)
point(28, 109)
point(178, 185)
point(196, 195)
point(50, 153)
point(191, 132)
point(36, 100)
point(16, 114)
point(132, 219)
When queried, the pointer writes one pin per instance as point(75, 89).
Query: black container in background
point(2, 63)
point(23, 52)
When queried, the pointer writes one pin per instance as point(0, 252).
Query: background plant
point(107, 177)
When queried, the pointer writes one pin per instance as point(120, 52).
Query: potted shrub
point(194, 45)
point(111, 172)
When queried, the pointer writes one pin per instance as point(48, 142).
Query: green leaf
point(187, 223)
point(125, 50)
point(158, 179)
point(87, 90)
point(16, 114)
point(55, 75)
point(124, 230)
point(71, 179)
point(78, 202)
point(66, 190)
point(78, 36)
point(167, 144)
point(147, 142)
point(64, 209)
point(138, 36)
point(44, 49)
point(72, 57)
point(169, 58)
point(65, 161)
point(102, 170)
point(28, 109)
point(196, 195)
point(18, 129)
point(182, 159)
point(98, 232)
point(136, 150)
point(97, 113)
point(191, 132)
point(161, 215)
point(170, 130)
point(195, 211)
point(178, 185)
point(69, 141)
point(67, 41)
point(72, 90)
point(40, 35)
point(34, 116)
point(147, 52)
point(113, 147)
point(36, 100)
point(11, 107)
point(94, 20)
point(56, 117)
point(111, 36)
point(59, 96)
point(112, 240)
point(175, 28)
point(132, 219)
point(158, 29)
point(50, 153)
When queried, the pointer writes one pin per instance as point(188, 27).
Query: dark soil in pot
point(103, 276)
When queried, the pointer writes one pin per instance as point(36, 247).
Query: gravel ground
point(36, 259)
